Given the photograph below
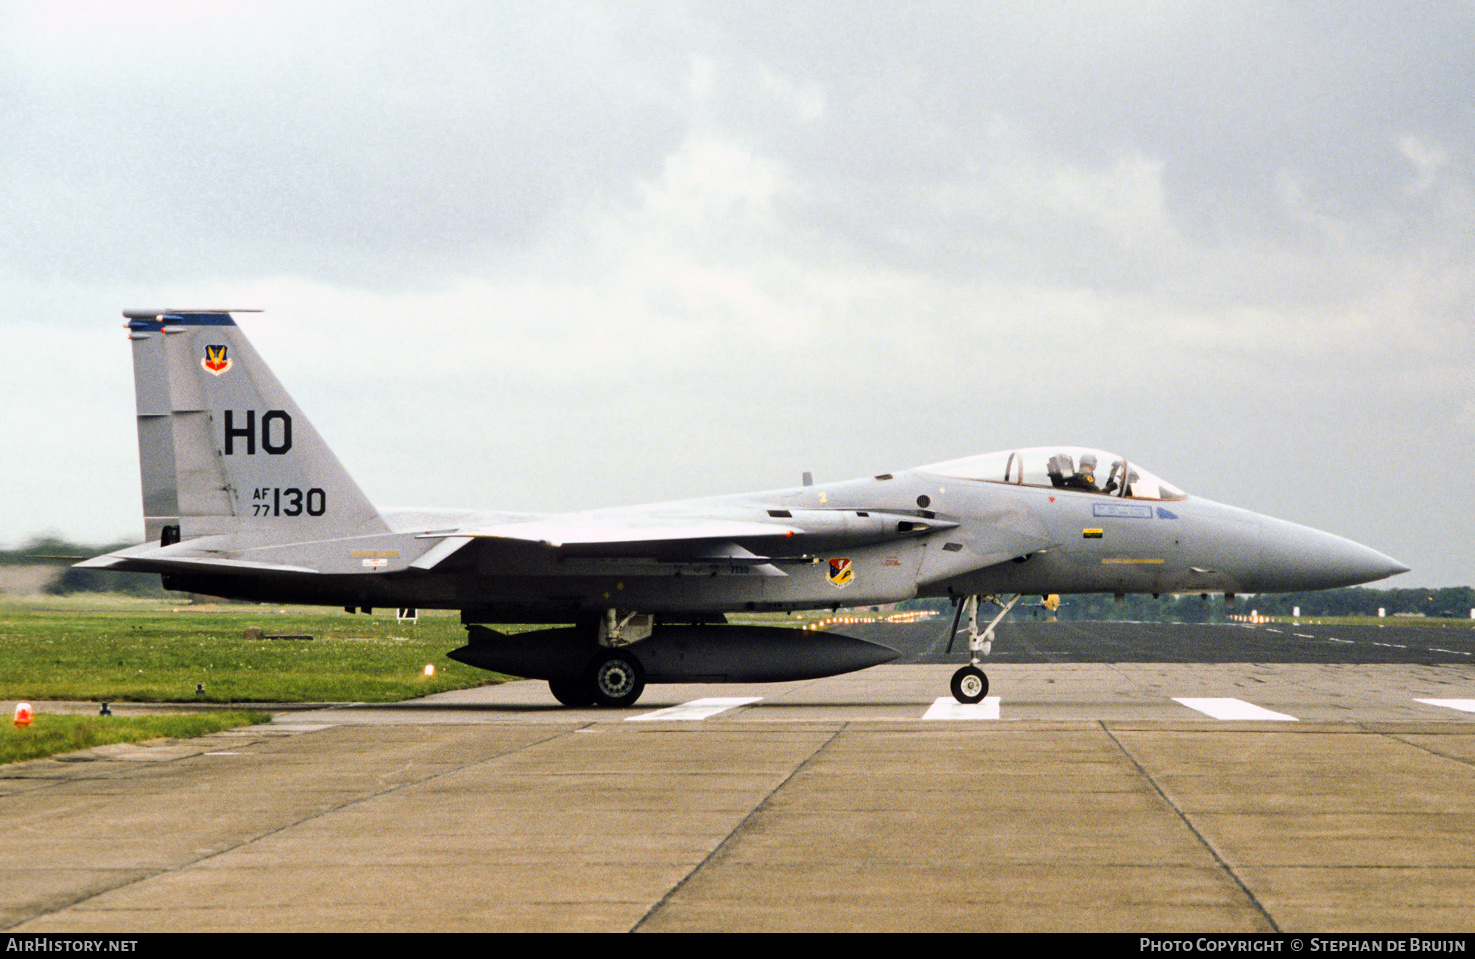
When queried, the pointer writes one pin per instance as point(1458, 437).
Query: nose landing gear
point(970, 684)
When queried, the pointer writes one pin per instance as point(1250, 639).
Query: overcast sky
point(563, 255)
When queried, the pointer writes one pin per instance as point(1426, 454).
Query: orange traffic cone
point(23, 714)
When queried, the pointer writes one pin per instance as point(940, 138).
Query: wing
point(765, 538)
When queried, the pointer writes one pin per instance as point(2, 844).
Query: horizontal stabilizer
point(180, 558)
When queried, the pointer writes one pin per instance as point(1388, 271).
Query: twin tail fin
point(222, 447)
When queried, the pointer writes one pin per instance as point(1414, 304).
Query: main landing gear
point(613, 676)
point(970, 684)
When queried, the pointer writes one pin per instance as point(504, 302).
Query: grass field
point(49, 735)
point(118, 648)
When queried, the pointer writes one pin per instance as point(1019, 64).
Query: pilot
point(1085, 477)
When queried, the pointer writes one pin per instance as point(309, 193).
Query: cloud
point(239, 140)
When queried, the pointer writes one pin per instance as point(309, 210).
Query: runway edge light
point(23, 714)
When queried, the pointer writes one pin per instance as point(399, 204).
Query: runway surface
point(1313, 788)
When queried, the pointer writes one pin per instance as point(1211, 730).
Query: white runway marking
point(1463, 705)
point(946, 707)
point(697, 708)
point(1233, 709)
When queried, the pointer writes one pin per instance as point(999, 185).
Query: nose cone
point(1296, 557)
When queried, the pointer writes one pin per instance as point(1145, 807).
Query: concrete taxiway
point(1081, 796)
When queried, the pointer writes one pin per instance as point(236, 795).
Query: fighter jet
point(243, 499)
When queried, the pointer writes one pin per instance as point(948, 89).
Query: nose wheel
point(970, 685)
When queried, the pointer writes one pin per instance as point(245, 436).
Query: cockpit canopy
point(1061, 467)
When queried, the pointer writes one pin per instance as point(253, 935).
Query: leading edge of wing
point(560, 533)
point(785, 532)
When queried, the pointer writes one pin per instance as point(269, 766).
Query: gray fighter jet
point(242, 498)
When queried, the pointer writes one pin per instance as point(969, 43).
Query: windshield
point(1061, 467)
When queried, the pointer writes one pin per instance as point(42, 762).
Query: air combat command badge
point(215, 359)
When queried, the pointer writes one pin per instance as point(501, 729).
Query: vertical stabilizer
point(222, 447)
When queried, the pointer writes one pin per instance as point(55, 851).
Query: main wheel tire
point(572, 692)
point(617, 679)
point(970, 685)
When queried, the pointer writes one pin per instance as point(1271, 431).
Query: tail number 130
point(291, 501)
